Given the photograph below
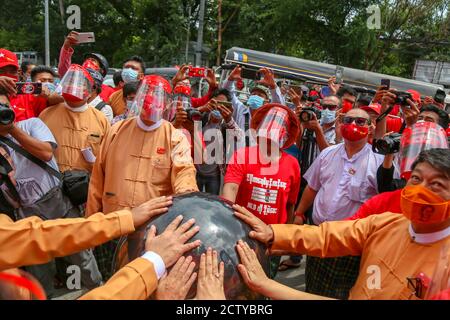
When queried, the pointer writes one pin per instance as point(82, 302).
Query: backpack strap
point(31, 157)
point(100, 105)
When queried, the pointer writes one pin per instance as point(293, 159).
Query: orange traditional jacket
point(73, 132)
point(388, 253)
point(135, 166)
point(32, 241)
point(117, 103)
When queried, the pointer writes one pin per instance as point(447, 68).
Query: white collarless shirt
point(343, 184)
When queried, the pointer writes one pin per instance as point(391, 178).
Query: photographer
point(218, 124)
point(411, 115)
point(317, 135)
point(265, 91)
point(26, 106)
point(210, 78)
point(36, 192)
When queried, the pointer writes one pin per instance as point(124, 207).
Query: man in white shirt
point(95, 100)
point(340, 180)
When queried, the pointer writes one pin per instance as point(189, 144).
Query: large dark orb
point(219, 229)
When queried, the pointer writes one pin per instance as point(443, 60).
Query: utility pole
point(219, 29)
point(47, 35)
point(199, 49)
point(188, 34)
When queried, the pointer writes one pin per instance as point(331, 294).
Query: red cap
point(375, 107)
point(8, 58)
point(415, 95)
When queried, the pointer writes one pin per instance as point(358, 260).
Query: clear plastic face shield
point(439, 288)
point(421, 136)
point(77, 84)
point(152, 103)
point(16, 284)
point(274, 127)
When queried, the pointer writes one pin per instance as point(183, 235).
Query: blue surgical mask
point(216, 114)
point(129, 75)
point(328, 116)
point(50, 86)
point(254, 102)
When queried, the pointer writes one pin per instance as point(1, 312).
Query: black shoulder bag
point(75, 183)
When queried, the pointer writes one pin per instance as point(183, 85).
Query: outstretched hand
point(260, 231)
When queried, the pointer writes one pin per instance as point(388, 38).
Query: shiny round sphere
point(219, 229)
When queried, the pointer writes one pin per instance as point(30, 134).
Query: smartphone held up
point(339, 74)
point(29, 87)
point(85, 37)
point(197, 72)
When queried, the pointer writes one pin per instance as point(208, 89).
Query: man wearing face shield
point(157, 157)
point(92, 60)
point(429, 116)
point(78, 129)
point(402, 254)
point(263, 178)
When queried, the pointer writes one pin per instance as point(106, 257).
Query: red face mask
point(352, 132)
point(15, 78)
point(91, 65)
point(71, 98)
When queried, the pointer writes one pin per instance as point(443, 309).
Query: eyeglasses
point(331, 107)
point(358, 120)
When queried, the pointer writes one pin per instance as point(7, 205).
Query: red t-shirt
point(107, 91)
point(381, 203)
point(27, 106)
point(264, 190)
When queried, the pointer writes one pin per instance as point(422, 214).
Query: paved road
point(294, 278)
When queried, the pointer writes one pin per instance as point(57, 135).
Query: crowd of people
point(357, 184)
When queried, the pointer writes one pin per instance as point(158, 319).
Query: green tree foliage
point(321, 30)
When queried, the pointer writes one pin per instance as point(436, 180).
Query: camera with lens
point(7, 115)
point(387, 145)
point(401, 98)
point(308, 113)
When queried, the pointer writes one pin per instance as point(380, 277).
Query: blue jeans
point(210, 184)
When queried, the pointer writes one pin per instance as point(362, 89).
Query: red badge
point(161, 150)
